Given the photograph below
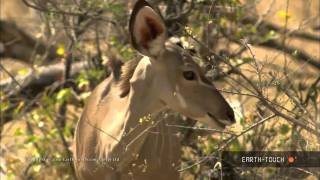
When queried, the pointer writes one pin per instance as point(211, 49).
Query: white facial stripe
point(181, 99)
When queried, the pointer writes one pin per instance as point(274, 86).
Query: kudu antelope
point(115, 137)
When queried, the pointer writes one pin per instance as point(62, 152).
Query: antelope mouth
point(221, 124)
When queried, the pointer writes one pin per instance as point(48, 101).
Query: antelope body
point(119, 135)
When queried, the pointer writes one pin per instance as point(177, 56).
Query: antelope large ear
point(147, 29)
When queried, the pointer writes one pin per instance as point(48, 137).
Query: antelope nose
point(230, 115)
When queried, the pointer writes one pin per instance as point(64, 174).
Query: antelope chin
point(212, 122)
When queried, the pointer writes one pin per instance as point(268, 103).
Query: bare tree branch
point(20, 45)
point(267, 26)
point(34, 83)
point(295, 53)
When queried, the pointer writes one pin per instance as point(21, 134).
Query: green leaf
point(64, 94)
point(242, 122)
point(31, 139)
point(4, 106)
point(67, 131)
point(247, 59)
point(127, 53)
point(18, 132)
point(284, 129)
point(85, 95)
point(235, 146)
point(83, 82)
point(35, 116)
point(10, 176)
point(20, 106)
point(268, 36)
point(115, 8)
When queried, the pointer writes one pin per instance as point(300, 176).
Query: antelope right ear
point(147, 29)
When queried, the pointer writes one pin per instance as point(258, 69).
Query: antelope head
point(181, 85)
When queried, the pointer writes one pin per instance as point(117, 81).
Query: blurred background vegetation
point(263, 55)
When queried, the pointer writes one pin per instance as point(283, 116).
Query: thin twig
point(227, 142)
point(199, 128)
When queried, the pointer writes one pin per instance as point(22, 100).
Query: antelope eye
point(189, 75)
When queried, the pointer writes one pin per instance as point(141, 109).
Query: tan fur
point(127, 71)
point(115, 64)
point(127, 128)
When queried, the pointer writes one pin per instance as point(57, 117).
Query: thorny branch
point(227, 142)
